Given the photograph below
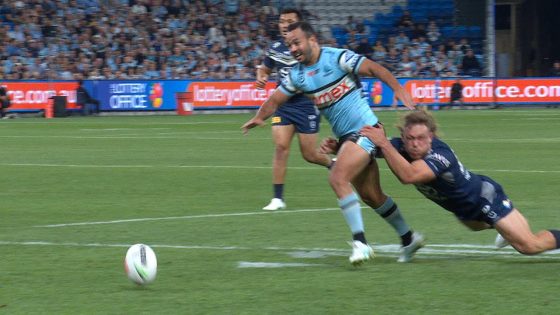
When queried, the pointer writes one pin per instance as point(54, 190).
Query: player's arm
point(369, 68)
point(267, 109)
point(417, 172)
point(263, 72)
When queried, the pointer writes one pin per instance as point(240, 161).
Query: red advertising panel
point(35, 95)
point(487, 91)
point(229, 94)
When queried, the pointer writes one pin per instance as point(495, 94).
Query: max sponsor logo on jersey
point(330, 95)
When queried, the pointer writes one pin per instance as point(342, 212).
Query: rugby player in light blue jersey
point(329, 77)
point(419, 157)
point(298, 115)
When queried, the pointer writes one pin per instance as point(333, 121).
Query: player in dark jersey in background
point(298, 115)
point(422, 159)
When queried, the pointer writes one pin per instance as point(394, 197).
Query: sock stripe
point(556, 235)
point(389, 212)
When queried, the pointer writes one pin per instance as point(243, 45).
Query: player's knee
point(372, 198)
point(311, 156)
point(282, 150)
point(527, 247)
point(336, 181)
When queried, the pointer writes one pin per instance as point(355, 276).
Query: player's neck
point(315, 55)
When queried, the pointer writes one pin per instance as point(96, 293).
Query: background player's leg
point(310, 150)
point(282, 136)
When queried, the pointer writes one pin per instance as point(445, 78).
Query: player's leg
point(310, 150)
point(368, 186)
point(351, 160)
point(496, 209)
point(307, 127)
point(515, 229)
point(476, 225)
point(282, 136)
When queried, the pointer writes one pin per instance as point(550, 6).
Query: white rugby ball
point(140, 264)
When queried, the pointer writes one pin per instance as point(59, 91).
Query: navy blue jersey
point(455, 188)
point(278, 57)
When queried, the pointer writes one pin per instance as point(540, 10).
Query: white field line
point(82, 122)
point(187, 217)
point(390, 250)
point(232, 167)
point(240, 137)
point(260, 264)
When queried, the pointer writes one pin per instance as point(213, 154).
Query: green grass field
point(76, 192)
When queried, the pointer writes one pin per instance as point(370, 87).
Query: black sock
point(359, 237)
point(556, 235)
point(279, 191)
point(406, 239)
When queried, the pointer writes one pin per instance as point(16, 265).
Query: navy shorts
point(306, 118)
point(493, 205)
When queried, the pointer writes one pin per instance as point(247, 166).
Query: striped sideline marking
point(186, 217)
point(231, 167)
point(381, 250)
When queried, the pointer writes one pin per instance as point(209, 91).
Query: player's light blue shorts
point(305, 120)
point(493, 204)
point(362, 141)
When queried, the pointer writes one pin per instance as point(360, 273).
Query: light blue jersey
point(333, 85)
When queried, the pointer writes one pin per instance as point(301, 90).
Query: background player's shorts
point(305, 120)
point(494, 203)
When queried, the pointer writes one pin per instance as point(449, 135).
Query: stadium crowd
point(179, 39)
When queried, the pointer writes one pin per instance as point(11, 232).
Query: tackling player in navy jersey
point(422, 159)
point(298, 115)
point(329, 77)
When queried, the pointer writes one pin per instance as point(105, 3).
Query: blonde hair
point(418, 117)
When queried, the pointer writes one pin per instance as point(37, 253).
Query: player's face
point(285, 21)
point(300, 46)
point(417, 140)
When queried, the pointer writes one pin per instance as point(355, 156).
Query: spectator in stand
point(418, 31)
point(405, 20)
point(433, 33)
point(401, 41)
point(407, 67)
point(555, 70)
point(470, 64)
point(392, 60)
point(379, 52)
point(350, 25)
point(464, 45)
point(364, 48)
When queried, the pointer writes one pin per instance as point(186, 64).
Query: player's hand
point(328, 146)
point(261, 83)
point(254, 122)
point(402, 95)
point(376, 134)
